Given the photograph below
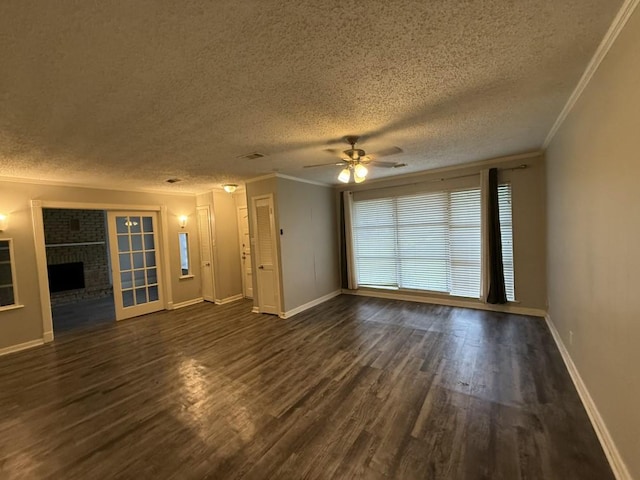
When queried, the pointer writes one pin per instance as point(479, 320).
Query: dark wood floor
point(354, 388)
point(83, 314)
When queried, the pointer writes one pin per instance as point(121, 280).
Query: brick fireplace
point(73, 237)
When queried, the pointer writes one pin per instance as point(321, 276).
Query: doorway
point(78, 268)
point(159, 213)
point(245, 252)
point(267, 275)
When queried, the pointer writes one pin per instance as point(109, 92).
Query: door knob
point(261, 267)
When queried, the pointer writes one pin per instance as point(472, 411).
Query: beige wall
point(240, 197)
point(528, 206)
point(594, 235)
point(307, 248)
point(226, 249)
point(307, 217)
point(25, 324)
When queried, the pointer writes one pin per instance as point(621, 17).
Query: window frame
point(394, 199)
point(14, 277)
point(513, 260)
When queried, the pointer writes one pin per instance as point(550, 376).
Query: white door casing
point(267, 274)
point(136, 263)
point(206, 253)
point(245, 252)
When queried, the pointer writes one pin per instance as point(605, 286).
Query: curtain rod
point(442, 179)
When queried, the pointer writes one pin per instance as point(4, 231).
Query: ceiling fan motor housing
point(354, 153)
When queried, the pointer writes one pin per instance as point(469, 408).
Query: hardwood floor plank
point(353, 388)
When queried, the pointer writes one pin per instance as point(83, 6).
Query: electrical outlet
point(570, 337)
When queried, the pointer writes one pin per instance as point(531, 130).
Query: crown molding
point(287, 177)
point(302, 180)
point(620, 20)
point(56, 183)
point(240, 189)
point(261, 177)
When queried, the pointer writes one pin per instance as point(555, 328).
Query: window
point(506, 230)
point(428, 241)
point(8, 290)
point(184, 253)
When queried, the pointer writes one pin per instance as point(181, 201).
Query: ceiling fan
point(355, 161)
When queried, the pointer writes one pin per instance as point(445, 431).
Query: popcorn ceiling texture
point(128, 94)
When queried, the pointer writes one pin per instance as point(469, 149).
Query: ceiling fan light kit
point(355, 157)
point(345, 175)
point(355, 160)
point(360, 170)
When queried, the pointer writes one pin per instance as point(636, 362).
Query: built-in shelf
point(75, 244)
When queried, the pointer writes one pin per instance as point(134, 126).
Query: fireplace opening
point(66, 276)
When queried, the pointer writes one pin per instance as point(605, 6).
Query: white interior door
point(245, 251)
point(206, 253)
point(135, 263)
point(266, 256)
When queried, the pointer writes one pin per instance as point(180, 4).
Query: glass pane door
point(135, 259)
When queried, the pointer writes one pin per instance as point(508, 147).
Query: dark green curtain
point(497, 292)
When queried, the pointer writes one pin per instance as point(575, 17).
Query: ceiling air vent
point(173, 180)
point(252, 156)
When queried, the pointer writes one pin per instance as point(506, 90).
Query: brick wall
point(78, 226)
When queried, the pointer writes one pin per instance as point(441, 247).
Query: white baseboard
point(21, 346)
point(308, 305)
point(187, 303)
point(255, 310)
point(450, 302)
point(608, 445)
point(47, 337)
point(233, 298)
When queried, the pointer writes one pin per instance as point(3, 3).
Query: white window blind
point(506, 231)
point(428, 241)
point(374, 239)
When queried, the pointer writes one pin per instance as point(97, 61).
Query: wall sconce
point(4, 222)
point(230, 187)
point(182, 221)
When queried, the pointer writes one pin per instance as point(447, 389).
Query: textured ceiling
point(129, 94)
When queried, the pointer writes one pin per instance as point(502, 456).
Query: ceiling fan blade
point(324, 165)
point(332, 151)
point(378, 163)
point(387, 152)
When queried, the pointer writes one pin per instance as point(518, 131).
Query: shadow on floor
point(83, 314)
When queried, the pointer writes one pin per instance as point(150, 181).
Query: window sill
point(184, 277)
point(427, 293)
point(10, 307)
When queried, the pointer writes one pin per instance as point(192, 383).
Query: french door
point(135, 261)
